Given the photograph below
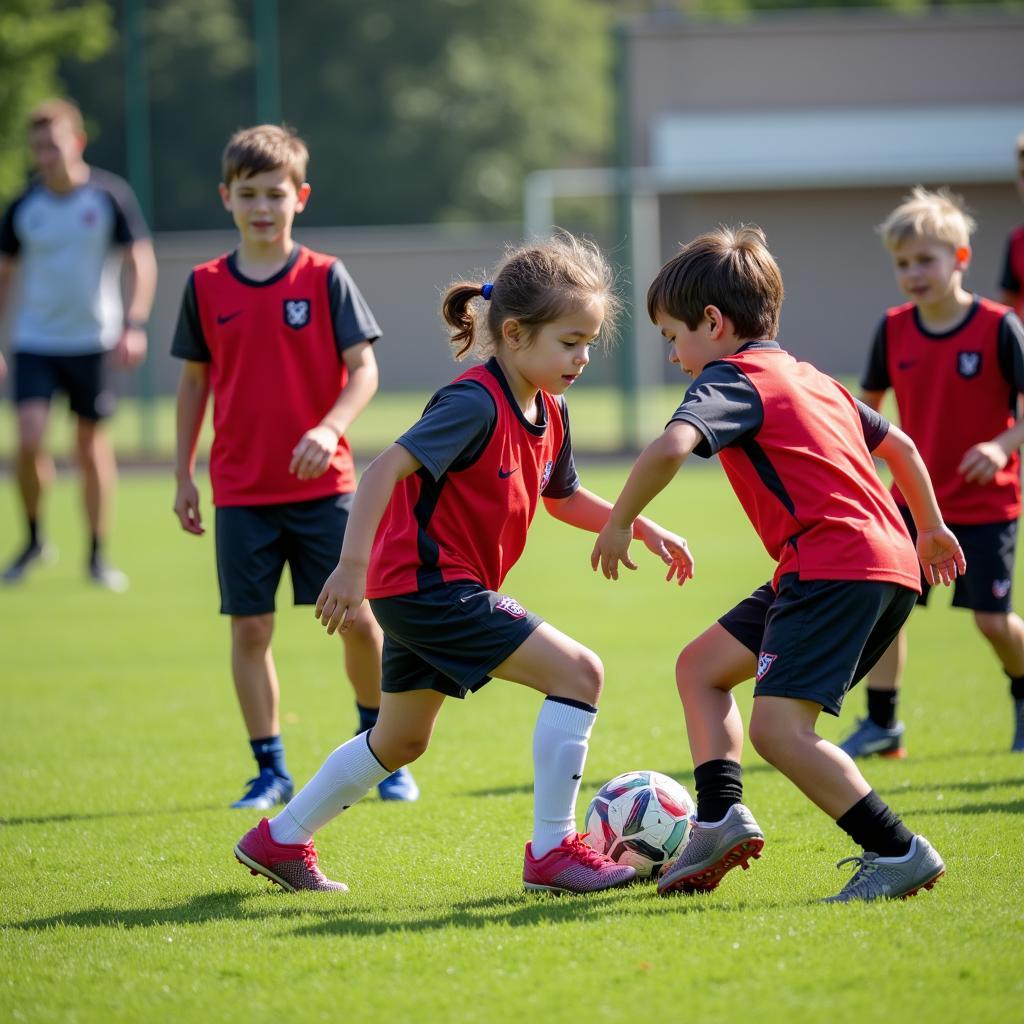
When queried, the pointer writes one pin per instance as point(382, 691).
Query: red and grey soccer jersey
point(796, 447)
point(275, 350)
point(1013, 268)
point(953, 391)
point(465, 514)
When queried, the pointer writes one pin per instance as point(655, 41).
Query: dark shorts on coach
point(38, 377)
point(255, 542)
point(449, 637)
point(815, 639)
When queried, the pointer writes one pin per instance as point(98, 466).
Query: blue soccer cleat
point(870, 738)
point(399, 785)
point(265, 791)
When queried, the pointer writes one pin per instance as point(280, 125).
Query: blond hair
point(940, 215)
point(534, 285)
point(52, 110)
point(730, 268)
point(265, 147)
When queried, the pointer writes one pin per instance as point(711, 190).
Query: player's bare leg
point(256, 686)
point(557, 859)
point(725, 833)
point(282, 850)
point(782, 731)
point(1005, 632)
point(35, 473)
point(707, 669)
point(363, 642)
point(879, 732)
point(99, 483)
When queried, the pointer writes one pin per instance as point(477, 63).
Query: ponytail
point(459, 315)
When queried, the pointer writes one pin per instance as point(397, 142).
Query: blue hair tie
point(485, 291)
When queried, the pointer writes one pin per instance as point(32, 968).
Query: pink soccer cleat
point(293, 866)
point(573, 867)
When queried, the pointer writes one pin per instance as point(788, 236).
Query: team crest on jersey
point(510, 606)
point(968, 364)
point(296, 313)
point(1000, 588)
point(764, 662)
point(546, 475)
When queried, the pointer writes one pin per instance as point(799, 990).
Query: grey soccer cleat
point(891, 878)
point(869, 738)
point(713, 850)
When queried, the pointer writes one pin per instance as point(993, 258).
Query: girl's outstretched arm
point(588, 511)
point(345, 588)
point(653, 470)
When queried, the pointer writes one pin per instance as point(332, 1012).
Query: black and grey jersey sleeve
point(189, 342)
point(1011, 351)
point(454, 428)
point(129, 225)
point(876, 373)
point(564, 480)
point(874, 424)
point(351, 316)
point(10, 243)
point(1009, 280)
point(723, 405)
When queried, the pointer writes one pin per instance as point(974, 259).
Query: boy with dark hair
point(283, 339)
point(1012, 281)
point(72, 232)
point(796, 448)
point(955, 363)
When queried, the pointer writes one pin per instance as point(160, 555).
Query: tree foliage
point(34, 36)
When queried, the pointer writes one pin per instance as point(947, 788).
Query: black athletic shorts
point(255, 541)
point(814, 639)
point(82, 378)
point(990, 550)
point(449, 637)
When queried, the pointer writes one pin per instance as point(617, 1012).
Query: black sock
point(367, 718)
point(1016, 686)
point(33, 533)
point(873, 824)
point(719, 785)
point(882, 707)
point(269, 753)
point(94, 549)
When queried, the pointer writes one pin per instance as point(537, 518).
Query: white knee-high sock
point(559, 753)
point(345, 777)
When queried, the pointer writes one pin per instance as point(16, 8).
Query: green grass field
point(123, 745)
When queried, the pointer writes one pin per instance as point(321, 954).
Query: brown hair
point(534, 284)
point(941, 215)
point(49, 111)
point(730, 268)
point(265, 147)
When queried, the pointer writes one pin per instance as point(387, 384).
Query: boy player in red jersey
point(284, 340)
point(956, 365)
point(796, 448)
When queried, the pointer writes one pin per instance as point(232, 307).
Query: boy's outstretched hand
point(942, 558)
point(612, 547)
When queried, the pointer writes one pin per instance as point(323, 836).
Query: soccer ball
point(641, 819)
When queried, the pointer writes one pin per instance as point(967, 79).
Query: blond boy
point(955, 362)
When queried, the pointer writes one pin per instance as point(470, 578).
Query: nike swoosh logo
point(577, 776)
point(906, 364)
point(503, 473)
point(230, 316)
